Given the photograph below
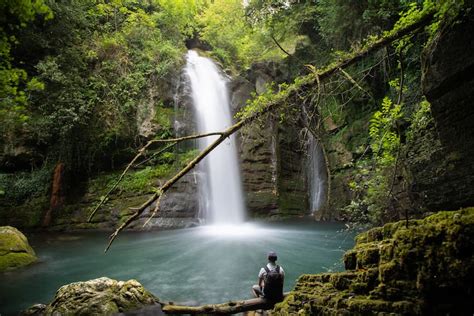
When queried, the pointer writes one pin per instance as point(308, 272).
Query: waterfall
point(220, 190)
point(317, 177)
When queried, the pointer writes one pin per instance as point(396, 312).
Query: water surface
point(197, 265)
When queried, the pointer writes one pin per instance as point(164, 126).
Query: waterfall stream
point(317, 177)
point(220, 188)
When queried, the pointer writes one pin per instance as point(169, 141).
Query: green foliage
point(94, 63)
point(420, 120)
point(163, 117)
point(15, 86)
point(223, 26)
point(179, 16)
point(345, 23)
point(373, 183)
point(272, 96)
point(186, 157)
point(235, 41)
point(21, 186)
point(384, 132)
point(144, 180)
point(147, 179)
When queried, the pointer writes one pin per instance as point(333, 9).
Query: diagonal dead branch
point(141, 151)
point(180, 139)
point(156, 154)
point(279, 46)
point(355, 83)
point(157, 207)
point(165, 187)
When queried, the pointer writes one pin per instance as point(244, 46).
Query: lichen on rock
point(15, 251)
point(102, 296)
point(426, 267)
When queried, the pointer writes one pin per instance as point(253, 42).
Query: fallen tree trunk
point(232, 307)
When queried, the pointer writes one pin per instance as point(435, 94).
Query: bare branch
point(278, 44)
point(104, 198)
point(180, 139)
point(355, 83)
point(156, 154)
point(140, 153)
point(157, 207)
point(162, 190)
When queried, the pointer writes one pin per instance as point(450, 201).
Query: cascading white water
point(317, 178)
point(221, 190)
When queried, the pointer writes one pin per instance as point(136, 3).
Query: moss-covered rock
point(420, 267)
point(15, 250)
point(102, 296)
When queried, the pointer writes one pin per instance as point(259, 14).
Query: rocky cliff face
point(446, 180)
point(178, 209)
point(273, 152)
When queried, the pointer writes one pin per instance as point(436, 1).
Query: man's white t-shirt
point(271, 266)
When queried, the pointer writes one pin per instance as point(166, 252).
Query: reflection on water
point(197, 265)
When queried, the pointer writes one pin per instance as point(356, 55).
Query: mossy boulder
point(102, 296)
point(15, 251)
point(420, 267)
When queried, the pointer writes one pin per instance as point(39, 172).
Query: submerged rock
point(425, 268)
point(102, 296)
point(15, 251)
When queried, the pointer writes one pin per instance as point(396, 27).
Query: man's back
point(270, 280)
point(273, 276)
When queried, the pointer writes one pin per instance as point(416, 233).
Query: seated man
point(270, 280)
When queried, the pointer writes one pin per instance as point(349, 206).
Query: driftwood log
point(232, 307)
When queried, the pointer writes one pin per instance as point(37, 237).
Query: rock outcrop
point(272, 152)
point(426, 268)
point(102, 296)
point(178, 209)
point(15, 251)
point(445, 179)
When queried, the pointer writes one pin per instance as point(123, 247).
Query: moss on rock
point(102, 296)
point(425, 267)
point(15, 250)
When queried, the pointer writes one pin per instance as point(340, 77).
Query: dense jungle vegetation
point(74, 76)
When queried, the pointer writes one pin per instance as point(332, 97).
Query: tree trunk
point(232, 307)
point(57, 198)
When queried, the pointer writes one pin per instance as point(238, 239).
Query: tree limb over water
point(141, 152)
point(304, 84)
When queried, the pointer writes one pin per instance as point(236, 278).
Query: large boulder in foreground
point(423, 268)
point(102, 296)
point(15, 250)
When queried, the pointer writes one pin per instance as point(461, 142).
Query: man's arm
point(261, 281)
